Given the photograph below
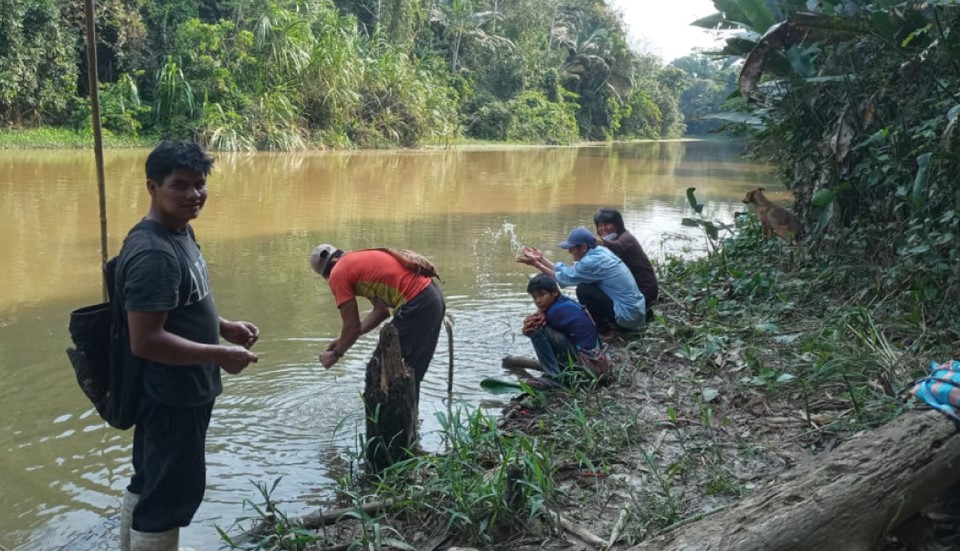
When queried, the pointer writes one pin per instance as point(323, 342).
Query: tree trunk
point(521, 362)
point(390, 403)
point(843, 501)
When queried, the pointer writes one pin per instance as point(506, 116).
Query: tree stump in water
point(390, 403)
point(843, 501)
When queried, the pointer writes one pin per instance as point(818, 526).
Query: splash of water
point(497, 245)
point(507, 233)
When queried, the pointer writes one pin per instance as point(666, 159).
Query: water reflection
point(469, 210)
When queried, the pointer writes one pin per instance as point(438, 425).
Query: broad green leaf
point(711, 230)
point(716, 21)
point(709, 394)
point(883, 24)
point(787, 339)
point(496, 386)
point(801, 62)
point(739, 46)
point(785, 378)
point(822, 197)
point(755, 13)
point(693, 200)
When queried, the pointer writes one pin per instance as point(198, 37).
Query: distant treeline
point(288, 74)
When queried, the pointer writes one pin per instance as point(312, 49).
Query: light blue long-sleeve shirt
point(613, 277)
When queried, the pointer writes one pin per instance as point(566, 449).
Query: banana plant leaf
point(496, 386)
point(692, 199)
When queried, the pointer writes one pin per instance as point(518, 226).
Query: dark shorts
point(418, 322)
point(600, 307)
point(169, 464)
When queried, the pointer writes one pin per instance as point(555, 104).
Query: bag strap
point(412, 261)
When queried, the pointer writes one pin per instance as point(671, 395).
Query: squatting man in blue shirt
point(604, 283)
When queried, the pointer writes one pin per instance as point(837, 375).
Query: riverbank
point(763, 355)
point(62, 138)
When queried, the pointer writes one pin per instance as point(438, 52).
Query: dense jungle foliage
point(856, 106)
point(286, 74)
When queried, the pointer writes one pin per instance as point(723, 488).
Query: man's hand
point(235, 359)
point(530, 256)
point(333, 344)
point(328, 358)
point(523, 256)
point(243, 333)
point(533, 253)
point(533, 322)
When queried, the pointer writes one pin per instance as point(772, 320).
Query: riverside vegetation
point(763, 353)
point(291, 74)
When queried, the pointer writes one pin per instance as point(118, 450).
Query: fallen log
point(318, 519)
point(843, 501)
point(390, 403)
point(521, 362)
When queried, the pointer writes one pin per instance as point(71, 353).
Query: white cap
point(320, 257)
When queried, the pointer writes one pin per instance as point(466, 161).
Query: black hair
point(608, 215)
point(542, 282)
point(171, 155)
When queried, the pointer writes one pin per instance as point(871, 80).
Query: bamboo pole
point(94, 85)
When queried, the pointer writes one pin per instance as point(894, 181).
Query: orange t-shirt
point(375, 275)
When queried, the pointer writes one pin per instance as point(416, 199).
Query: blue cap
point(579, 236)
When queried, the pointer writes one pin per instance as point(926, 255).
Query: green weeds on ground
point(763, 353)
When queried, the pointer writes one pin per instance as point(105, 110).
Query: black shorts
point(418, 323)
point(169, 464)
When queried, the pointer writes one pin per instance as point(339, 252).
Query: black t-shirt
point(163, 270)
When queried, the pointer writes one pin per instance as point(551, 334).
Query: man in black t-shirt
point(174, 332)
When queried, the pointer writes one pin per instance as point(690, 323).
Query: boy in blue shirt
point(562, 334)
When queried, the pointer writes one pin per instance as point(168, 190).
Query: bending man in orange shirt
point(416, 300)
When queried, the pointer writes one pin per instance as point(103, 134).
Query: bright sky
point(665, 26)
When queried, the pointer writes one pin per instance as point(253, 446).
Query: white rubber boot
point(155, 541)
point(130, 500)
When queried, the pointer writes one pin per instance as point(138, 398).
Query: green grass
point(65, 138)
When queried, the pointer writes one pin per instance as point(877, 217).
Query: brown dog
point(774, 219)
